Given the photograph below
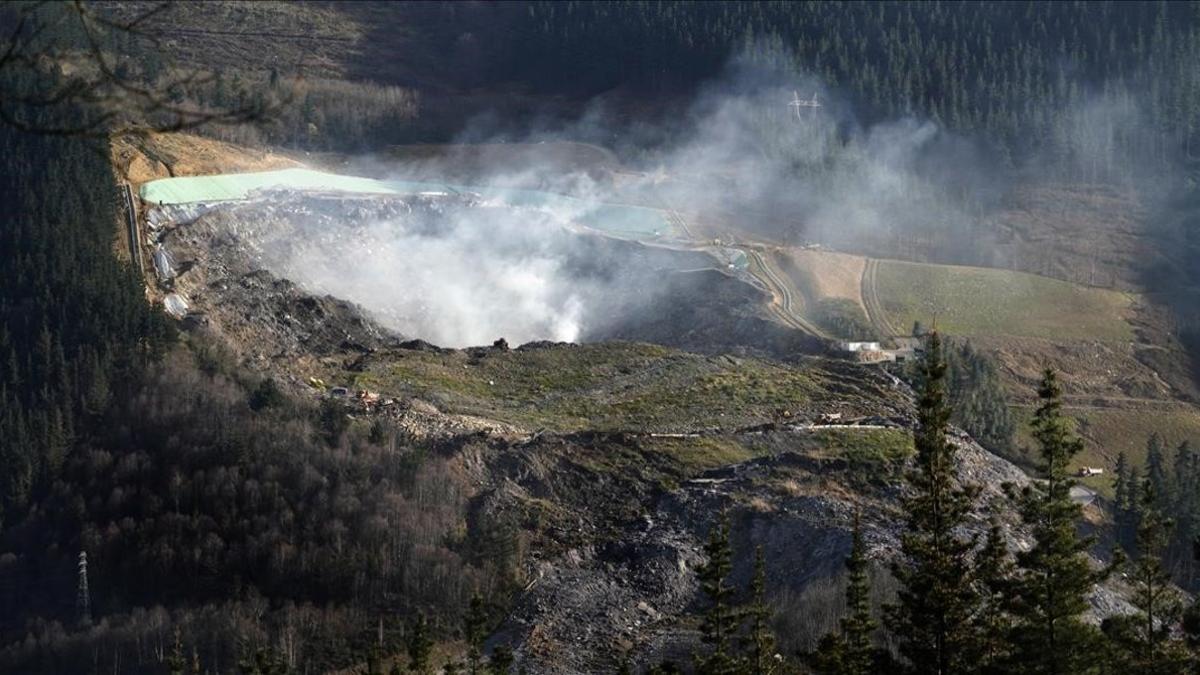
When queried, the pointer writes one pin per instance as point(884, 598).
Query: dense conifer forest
point(1005, 70)
point(74, 327)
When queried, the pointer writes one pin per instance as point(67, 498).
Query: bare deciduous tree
point(60, 55)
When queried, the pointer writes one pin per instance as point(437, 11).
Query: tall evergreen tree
point(858, 626)
point(937, 598)
point(502, 660)
point(1120, 484)
point(1144, 640)
point(994, 571)
point(761, 647)
point(1184, 511)
point(1050, 593)
point(1183, 479)
point(850, 650)
point(1156, 470)
point(1132, 517)
point(175, 660)
point(419, 644)
point(475, 631)
point(719, 627)
point(1122, 501)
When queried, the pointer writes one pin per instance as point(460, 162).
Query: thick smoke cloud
point(461, 275)
point(460, 271)
point(478, 274)
point(740, 160)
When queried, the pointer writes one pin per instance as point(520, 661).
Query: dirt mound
point(825, 274)
point(141, 159)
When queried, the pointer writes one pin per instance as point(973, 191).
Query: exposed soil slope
point(141, 159)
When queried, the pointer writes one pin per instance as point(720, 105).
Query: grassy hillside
point(1109, 431)
point(980, 301)
point(606, 386)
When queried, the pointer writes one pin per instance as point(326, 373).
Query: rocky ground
point(615, 580)
point(611, 461)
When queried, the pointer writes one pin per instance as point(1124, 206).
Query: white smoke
point(464, 277)
point(740, 160)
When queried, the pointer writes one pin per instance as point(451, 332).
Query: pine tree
point(720, 623)
point(1156, 599)
point(858, 625)
point(849, 651)
point(1050, 593)
point(502, 660)
point(1156, 470)
point(1184, 478)
point(419, 644)
point(1124, 496)
point(1133, 513)
point(1184, 509)
point(175, 660)
point(1121, 485)
point(476, 632)
point(1144, 640)
point(761, 645)
point(938, 598)
point(994, 574)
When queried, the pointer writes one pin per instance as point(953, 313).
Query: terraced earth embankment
point(870, 298)
point(786, 303)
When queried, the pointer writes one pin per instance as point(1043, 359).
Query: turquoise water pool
point(618, 219)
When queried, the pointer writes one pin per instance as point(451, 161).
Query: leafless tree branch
point(61, 47)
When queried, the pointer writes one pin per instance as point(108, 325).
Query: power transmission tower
point(83, 600)
point(799, 103)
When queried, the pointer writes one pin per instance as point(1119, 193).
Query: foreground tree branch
point(62, 75)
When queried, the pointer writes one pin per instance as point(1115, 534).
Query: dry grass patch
point(825, 274)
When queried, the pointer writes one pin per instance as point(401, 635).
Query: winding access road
point(131, 228)
point(870, 296)
point(783, 299)
point(786, 304)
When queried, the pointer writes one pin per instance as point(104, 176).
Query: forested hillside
point(74, 326)
point(1100, 89)
point(1130, 72)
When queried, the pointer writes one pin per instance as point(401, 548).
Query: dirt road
point(135, 244)
point(870, 297)
point(784, 303)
